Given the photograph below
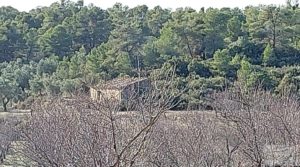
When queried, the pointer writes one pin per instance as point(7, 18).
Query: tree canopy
point(68, 45)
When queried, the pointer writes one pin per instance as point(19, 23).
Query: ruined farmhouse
point(120, 89)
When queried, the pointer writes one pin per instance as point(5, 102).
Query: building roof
point(119, 83)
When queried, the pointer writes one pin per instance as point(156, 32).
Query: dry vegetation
point(80, 132)
point(9, 132)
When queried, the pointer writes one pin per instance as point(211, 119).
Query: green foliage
point(59, 49)
point(69, 86)
point(199, 88)
point(56, 41)
point(199, 68)
point(251, 76)
point(151, 57)
point(290, 81)
point(268, 55)
point(52, 86)
point(221, 63)
point(47, 66)
point(36, 86)
point(8, 91)
point(9, 88)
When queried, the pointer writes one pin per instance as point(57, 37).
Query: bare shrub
point(186, 142)
point(8, 134)
point(259, 119)
point(246, 129)
point(81, 132)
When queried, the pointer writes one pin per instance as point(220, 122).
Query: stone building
point(119, 89)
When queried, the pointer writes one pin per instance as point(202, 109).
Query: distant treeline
point(64, 47)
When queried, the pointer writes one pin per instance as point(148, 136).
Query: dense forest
point(68, 46)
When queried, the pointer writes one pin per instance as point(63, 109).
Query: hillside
point(63, 48)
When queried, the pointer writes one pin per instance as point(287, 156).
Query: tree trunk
point(4, 103)
point(188, 45)
point(274, 36)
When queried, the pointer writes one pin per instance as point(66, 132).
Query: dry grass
point(15, 157)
